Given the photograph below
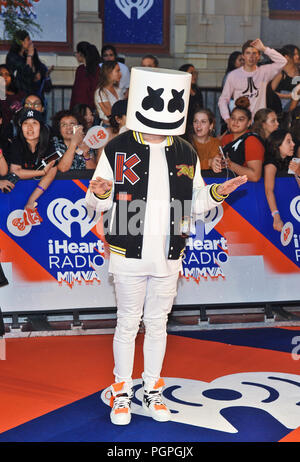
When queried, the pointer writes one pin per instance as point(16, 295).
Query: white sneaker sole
point(120, 419)
point(159, 416)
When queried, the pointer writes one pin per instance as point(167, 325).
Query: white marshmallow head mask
point(158, 101)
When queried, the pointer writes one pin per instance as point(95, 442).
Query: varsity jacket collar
point(138, 136)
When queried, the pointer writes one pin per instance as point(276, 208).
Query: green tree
point(15, 15)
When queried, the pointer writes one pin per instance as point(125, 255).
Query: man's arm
point(206, 198)
point(100, 193)
point(279, 61)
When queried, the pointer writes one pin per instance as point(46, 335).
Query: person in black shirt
point(31, 75)
point(295, 129)
point(31, 146)
point(284, 83)
point(279, 152)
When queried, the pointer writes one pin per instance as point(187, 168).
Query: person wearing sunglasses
point(34, 102)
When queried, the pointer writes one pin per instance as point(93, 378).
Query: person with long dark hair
point(32, 76)
point(29, 148)
point(118, 117)
point(235, 60)
point(109, 53)
point(86, 76)
point(295, 129)
point(85, 111)
point(244, 150)
point(279, 153)
point(108, 90)
point(284, 82)
point(265, 122)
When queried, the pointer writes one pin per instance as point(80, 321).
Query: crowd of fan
point(259, 134)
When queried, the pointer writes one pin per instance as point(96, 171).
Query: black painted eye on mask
point(177, 102)
point(153, 100)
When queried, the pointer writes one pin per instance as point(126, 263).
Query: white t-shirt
point(156, 226)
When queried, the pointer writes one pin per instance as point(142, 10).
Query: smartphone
point(222, 153)
point(297, 160)
point(13, 178)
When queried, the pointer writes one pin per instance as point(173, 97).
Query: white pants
point(156, 296)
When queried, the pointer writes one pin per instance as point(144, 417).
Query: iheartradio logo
point(63, 213)
point(212, 218)
point(141, 7)
point(295, 208)
point(204, 404)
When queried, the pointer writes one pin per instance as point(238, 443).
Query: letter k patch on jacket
point(124, 168)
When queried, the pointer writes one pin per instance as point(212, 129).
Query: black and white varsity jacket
point(125, 161)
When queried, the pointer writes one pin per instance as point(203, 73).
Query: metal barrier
point(60, 97)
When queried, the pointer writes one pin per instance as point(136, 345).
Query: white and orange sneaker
point(153, 402)
point(120, 403)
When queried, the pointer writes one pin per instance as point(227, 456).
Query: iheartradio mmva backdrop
point(55, 257)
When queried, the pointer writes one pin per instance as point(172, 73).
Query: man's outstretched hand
point(99, 186)
point(231, 185)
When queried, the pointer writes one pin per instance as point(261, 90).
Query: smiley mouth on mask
point(158, 125)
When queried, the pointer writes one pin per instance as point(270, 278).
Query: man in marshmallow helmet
point(150, 180)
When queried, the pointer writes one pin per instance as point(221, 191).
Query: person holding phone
point(244, 149)
point(69, 130)
point(31, 75)
point(28, 149)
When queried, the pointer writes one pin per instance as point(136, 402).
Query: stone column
point(87, 24)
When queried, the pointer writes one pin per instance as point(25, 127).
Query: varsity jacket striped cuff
point(215, 195)
point(104, 196)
